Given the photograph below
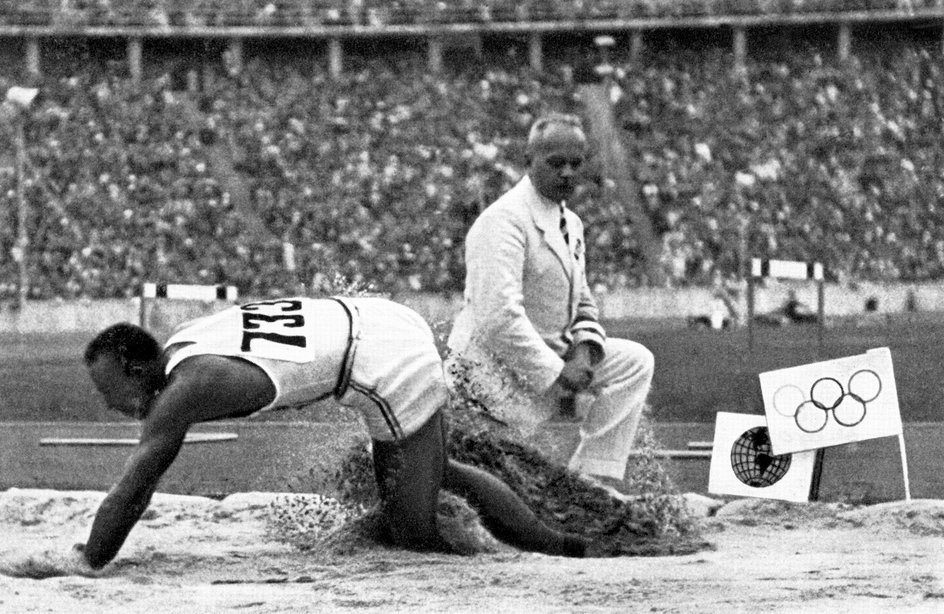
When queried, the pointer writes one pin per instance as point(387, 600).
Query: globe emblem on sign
point(754, 462)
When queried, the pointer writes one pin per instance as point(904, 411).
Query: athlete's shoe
point(602, 483)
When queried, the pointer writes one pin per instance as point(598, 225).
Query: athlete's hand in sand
point(51, 564)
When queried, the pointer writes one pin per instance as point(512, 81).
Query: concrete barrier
point(641, 304)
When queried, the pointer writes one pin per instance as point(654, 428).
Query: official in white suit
point(528, 302)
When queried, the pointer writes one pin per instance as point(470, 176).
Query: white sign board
point(743, 463)
point(831, 402)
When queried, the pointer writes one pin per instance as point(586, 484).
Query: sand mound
point(312, 523)
point(28, 507)
point(326, 527)
point(919, 516)
point(229, 555)
point(768, 512)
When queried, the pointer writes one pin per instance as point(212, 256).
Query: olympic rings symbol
point(827, 395)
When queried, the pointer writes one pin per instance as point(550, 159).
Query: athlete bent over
point(369, 353)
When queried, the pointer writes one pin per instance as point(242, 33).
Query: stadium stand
point(376, 174)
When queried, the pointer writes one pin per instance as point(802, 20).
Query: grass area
point(701, 372)
point(698, 372)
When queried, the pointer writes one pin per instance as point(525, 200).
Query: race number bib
point(278, 329)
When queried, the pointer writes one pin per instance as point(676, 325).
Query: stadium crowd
point(277, 175)
point(815, 160)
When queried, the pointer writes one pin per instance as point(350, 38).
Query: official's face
point(555, 162)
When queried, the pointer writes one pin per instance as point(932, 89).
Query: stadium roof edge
point(510, 27)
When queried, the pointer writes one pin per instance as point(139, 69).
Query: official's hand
point(585, 351)
point(577, 374)
point(592, 352)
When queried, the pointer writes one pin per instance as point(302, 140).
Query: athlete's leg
point(409, 474)
point(506, 515)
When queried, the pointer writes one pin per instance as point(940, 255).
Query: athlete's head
point(125, 364)
point(557, 149)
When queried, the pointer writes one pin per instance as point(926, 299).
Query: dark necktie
point(563, 226)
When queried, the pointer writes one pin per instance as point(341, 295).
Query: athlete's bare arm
point(128, 499)
point(203, 388)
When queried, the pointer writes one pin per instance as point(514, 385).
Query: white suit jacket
point(526, 294)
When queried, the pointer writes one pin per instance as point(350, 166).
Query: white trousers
point(621, 383)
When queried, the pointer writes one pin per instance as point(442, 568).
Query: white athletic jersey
point(373, 355)
point(273, 335)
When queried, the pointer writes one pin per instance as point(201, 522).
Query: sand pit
point(199, 554)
